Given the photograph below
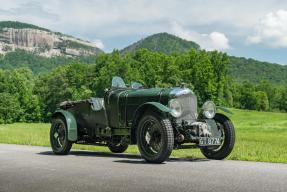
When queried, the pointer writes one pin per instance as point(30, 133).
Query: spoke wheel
point(152, 135)
point(117, 146)
point(59, 137)
point(227, 137)
point(155, 138)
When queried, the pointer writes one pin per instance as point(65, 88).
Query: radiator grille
point(189, 107)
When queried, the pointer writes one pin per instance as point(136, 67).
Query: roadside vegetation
point(26, 97)
point(260, 136)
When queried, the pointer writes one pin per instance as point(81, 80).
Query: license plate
point(207, 141)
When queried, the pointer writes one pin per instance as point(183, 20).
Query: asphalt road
point(33, 169)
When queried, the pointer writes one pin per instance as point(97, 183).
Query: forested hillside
point(39, 64)
point(242, 69)
point(163, 43)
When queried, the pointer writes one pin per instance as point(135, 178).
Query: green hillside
point(242, 69)
point(39, 64)
point(164, 43)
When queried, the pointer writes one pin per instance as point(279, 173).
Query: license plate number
point(207, 141)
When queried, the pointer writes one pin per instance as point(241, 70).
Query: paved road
point(33, 169)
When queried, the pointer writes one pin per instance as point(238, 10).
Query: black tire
point(59, 136)
point(157, 147)
point(225, 149)
point(118, 147)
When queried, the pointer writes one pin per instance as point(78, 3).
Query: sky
point(247, 28)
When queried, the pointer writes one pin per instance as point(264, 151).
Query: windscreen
point(118, 82)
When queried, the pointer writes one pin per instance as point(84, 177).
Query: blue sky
point(256, 29)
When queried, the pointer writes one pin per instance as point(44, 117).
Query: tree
point(270, 91)
point(283, 99)
point(203, 77)
point(247, 98)
point(262, 103)
point(65, 83)
point(113, 65)
point(219, 62)
point(10, 109)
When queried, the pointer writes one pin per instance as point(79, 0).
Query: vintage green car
point(158, 120)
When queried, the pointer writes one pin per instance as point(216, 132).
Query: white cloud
point(126, 17)
point(99, 43)
point(116, 19)
point(271, 30)
point(27, 11)
point(213, 41)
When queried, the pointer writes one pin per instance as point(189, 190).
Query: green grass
point(260, 136)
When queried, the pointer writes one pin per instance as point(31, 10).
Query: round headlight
point(176, 109)
point(209, 109)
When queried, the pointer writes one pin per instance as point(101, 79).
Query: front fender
point(155, 106)
point(224, 109)
point(70, 122)
point(160, 107)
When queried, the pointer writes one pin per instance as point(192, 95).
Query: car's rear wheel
point(228, 139)
point(59, 136)
point(155, 137)
point(117, 146)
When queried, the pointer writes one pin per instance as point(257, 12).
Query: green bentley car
point(158, 120)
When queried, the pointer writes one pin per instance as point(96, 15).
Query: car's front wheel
point(155, 137)
point(228, 139)
point(59, 136)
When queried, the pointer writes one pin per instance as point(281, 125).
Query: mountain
point(162, 42)
point(240, 68)
point(16, 35)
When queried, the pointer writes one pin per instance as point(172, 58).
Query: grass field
point(260, 136)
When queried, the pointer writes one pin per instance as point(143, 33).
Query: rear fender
point(70, 122)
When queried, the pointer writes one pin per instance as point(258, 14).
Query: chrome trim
point(180, 91)
point(188, 101)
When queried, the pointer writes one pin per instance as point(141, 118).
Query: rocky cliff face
point(45, 43)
